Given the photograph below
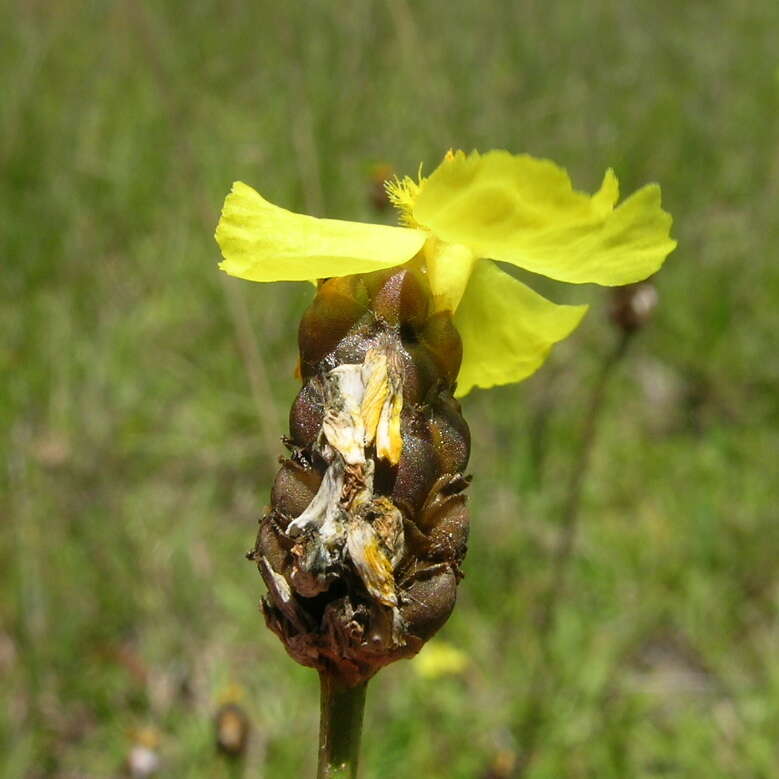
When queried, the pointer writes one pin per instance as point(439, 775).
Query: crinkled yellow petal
point(262, 242)
point(523, 210)
point(507, 329)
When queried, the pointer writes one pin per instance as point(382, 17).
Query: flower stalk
point(340, 727)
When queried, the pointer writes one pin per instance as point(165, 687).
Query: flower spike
point(363, 541)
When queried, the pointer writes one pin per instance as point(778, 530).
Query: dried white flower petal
point(370, 562)
point(326, 498)
point(343, 425)
point(362, 404)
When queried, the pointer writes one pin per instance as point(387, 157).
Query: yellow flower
point(438, 658)
point(512, 208)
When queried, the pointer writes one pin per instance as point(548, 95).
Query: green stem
point(340, 727)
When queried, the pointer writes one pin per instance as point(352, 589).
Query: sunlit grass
point(142, 394)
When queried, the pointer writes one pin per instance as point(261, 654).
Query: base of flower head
point(344, 630)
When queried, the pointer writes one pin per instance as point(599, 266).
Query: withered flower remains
point(362, 546)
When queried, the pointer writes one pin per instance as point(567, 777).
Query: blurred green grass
point(142, 394)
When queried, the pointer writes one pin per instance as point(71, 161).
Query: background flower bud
point(632, 305)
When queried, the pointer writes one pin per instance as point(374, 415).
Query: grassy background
point(143, 394)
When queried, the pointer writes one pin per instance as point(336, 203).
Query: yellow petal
point(506, 328)
point(262, 242)
point(449, 267)
point(524, 211)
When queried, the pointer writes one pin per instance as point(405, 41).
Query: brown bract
point(362, 546)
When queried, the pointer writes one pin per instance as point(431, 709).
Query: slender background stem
point(569, 524)
point(530, 722)
point(340, 727)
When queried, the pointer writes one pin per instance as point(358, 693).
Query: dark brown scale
point(305, 417)
point(354, 347)
point(449, 536)
point(430, 597)
point(294, 488)
point(399, 298)
point(443, 343)
point(343, 628)
point(449, 434)
point(421, 374)
point(274, 544)
point(329, 319)
point(416, 473)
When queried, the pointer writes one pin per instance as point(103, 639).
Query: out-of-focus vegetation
point(143, 394)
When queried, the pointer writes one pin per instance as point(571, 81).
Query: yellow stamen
point(402, 193)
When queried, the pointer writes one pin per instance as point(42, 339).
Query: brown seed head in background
point(632, 305)
point(380, 174)
point(232, 729)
